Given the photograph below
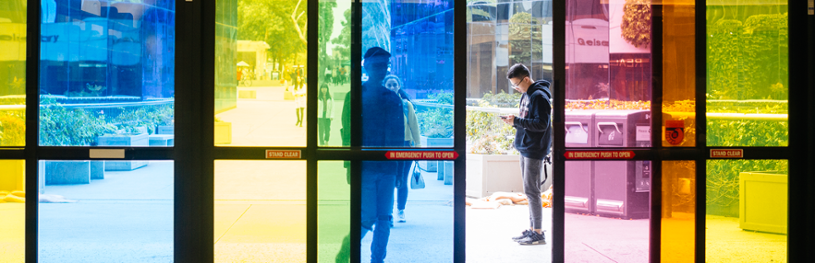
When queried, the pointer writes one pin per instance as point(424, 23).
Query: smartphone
point(503, 117)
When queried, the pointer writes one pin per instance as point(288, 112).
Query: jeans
point(403, 182)
point(378, 181)
point(531, 170)
point(323, 130)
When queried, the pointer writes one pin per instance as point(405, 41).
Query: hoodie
point(533, 135)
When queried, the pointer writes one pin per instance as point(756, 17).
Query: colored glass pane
point(746, 210)
point(747, 73)
point(260, 211)
point(607, 211)
point(678, 211)
point(333, 99)
point(12, 207)
point(106, 211)
point(13, 14)
point(678, 73)
point(408, 47)
point(608, 73)
point(260, 73)
point(427, 225)
point(107, 73)
point(333, 211)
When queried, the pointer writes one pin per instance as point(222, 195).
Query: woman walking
point(393, 83)
point(325, 109)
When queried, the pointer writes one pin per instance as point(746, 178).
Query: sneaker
point(533, 239)
point(401, 216)
point(522, 236)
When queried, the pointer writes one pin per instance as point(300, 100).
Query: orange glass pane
point(678, 211)
point(679, 77)
point(12, 209)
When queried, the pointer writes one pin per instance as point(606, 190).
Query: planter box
point(223, 133)
point(162, 129)
point(162, 140)
point(97, 170)
point(763, 202)
point(434, 166)
point(487, 174)
point(124, 140)
point(67, 172)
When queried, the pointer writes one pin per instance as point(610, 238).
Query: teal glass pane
point(333, 104)
point(407, 97)
point(107, 73)
point(333, 211)
point(106, 211)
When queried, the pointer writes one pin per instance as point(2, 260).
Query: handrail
point(114, 104)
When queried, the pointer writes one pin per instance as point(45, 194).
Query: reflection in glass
point(333, 211)
point(425, 224)
point(413, 42)
point(747, 73)
point(746, 206)
point(608, 68)
point(260, 73)
point(13, 26)
point(106, 211)
point(608, 210)
point(679, 73)
point(107, 73)
point(335, 66)
point(12, 209)
point(678, 211)
point(260, 211)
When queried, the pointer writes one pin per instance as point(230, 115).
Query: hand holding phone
point(503, 117)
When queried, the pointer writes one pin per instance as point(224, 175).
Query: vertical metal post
point(460, 132)
point(559, 59)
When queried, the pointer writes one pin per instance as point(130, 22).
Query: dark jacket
point(533, 136)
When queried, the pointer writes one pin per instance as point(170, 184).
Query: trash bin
point(578, 185)
point(621, 188)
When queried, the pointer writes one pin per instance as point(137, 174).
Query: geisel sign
point(726, 153)
point(421, 155)
point(602, 155)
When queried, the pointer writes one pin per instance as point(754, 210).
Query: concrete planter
point(487, 174)
point(436, 166)
point(763, 201)
point(165, 129)
point(67, 172)
point(97, 170)
point(223, 133)
point(162, 140)
point(124, 140)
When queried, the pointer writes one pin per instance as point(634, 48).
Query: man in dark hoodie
point(533, 139)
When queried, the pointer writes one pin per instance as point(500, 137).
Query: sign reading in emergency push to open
point(593, 155)
point(424, 155)
point(726, 153)
point(282, 154)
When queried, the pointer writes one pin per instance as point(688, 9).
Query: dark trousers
point(403, 182)
point(323, 130)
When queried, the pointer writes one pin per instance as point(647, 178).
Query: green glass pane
point(12, 72)
point(260, 73)
point(747, 73)
point(335, 66)
point(12, 207)
point(746, 210)
point(260, 211)
point(333, 211)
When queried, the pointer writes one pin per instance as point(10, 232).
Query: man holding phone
point(533, 139)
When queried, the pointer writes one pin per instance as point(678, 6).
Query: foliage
point(502, 99)
point(342, 43)
point(722, 180)
point(747, 133)
point(12, 128)
point(275, 22)
point(437, 122)
point(636, 25)
point(525, 37)
point(487, 134)
point(88, 91)
point(608, 105)
point(326, 28)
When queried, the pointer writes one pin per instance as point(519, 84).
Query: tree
point(280, 23)
point(326, 28)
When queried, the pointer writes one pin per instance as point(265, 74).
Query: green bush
point(722, 181)
point(437, 122)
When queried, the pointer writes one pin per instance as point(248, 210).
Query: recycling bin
point(622, 188)
point(578, 185)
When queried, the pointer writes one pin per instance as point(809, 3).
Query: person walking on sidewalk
point(393, 83)
point(533, 139)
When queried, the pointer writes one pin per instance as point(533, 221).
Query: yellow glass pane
point(260, 75)
point(260, 211)
point(678, 211)
point(746, 211)
point(12, 76)
point(12, 209)
point(679, 73)
point(747, 73)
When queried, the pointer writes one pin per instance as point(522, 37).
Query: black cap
point(376, 52)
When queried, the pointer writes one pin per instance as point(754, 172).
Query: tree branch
point(295, 18)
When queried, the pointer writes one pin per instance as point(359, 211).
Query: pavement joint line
point(598, 252)
point(233, 224)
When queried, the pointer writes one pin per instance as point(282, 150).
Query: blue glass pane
point(107, 73)
point(422, 219)
point(106, 211)
point(407, 49)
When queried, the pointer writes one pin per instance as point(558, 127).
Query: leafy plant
point(636, 25)
point(722, 180)
point(487, 134)
point(437, 122)
point(12, 128)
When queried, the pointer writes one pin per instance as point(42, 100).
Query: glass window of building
point(13, 24)
point(333, 99)
point(107, 73)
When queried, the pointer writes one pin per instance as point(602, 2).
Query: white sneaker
point(400, 216)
